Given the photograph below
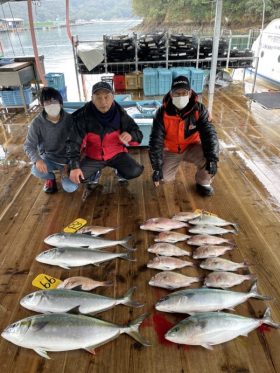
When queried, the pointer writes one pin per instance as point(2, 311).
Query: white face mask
point(53, 110)
point(181, 101)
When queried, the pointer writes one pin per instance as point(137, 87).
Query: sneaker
point(50, 186)
point(204, 190)
point(120, 178)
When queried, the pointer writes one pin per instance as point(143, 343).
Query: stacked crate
point(57, 81)
point(12, 97)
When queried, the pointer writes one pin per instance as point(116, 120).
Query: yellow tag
point(204, 212)
point(45, 282)
point(75, 225)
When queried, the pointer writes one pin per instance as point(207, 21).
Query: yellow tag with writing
point(45, 282)
point(75, 225)
point(204, 212)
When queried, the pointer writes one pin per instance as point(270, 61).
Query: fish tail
point(268, 320)
point(128, 256)
point(127, 299)
point(252, 277)
point(132, 329)
point(125, 244)
point(255, 294)
point(106, 283)
point(236, 227)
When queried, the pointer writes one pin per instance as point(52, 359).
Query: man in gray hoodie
point(46, 140)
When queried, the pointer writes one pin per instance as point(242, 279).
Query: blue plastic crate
point(147, 108)
point(120, 98)
point(184, 71)
point(164, 80)
point(6, 61)
point(146, 129)
point(63, 93)
point(55, 80)
point(150, 81)
point(14, 98)
point(197, 80)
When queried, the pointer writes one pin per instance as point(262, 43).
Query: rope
point(16, 30)
point(7, 29)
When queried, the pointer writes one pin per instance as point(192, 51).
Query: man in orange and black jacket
point(182, 132)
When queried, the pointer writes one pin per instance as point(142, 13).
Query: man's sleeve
point(75, 139)
point(31, 143)
point(134, 130)
point(156, 143)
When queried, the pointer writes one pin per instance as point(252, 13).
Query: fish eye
point(176, 329)
point(164, 299)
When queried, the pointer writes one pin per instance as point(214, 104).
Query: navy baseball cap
point(181, 82)
point(102, 85)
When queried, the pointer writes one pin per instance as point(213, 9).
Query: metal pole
point(74, 46)
point(259, 49)
point(216, 37)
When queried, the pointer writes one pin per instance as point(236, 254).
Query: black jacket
point(207, 132)
point(85, 122)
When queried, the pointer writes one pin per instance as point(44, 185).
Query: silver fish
point(65, 332)
point(186, 215)
point(210, 229)
point(171, 237)
point(212, 328)
point(65, 300)
point(84, 240)
point(225, 279)
point(67, 257)
point(210, 251)
point(172, 280)
point(192, 301)
point(167, 263)
point(167, 249)
point(221, 264)
point(207, 240)
point(162, 224)
point(83, 283)
point(205, 219)
point(95, 230)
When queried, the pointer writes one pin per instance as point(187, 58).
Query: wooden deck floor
point(247, 191)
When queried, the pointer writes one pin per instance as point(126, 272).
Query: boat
point(267, 47)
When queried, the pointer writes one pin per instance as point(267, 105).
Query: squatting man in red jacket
point(182, 132)
point(101, 132)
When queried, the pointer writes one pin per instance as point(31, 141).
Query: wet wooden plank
point(241, 195)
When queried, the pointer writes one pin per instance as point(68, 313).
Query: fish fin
point(40, 351)
point(255, 294)
point(38, 325)
point(64, 266)
point(75, 310)
point(126, 245)
point(127, 301)
point(128, 257)
point(268, 321)
point(132, 329)
point(235, 226)
point(208, 346)
point(107, 283)
point(91, 350)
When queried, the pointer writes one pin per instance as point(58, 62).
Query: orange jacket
point(175, 140)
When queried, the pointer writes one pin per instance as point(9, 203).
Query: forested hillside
point(51, 10)
point(235, 13)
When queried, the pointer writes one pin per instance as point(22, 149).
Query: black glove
point(211, 167)
point(157, 176)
